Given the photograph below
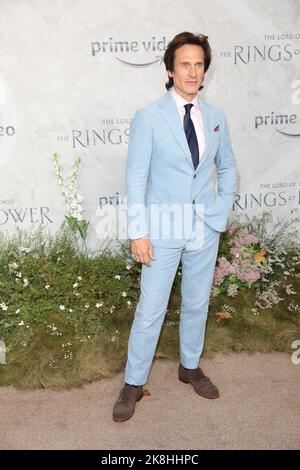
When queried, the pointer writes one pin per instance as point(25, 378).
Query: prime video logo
point(118, 48)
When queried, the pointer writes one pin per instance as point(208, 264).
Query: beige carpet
point(259, 408)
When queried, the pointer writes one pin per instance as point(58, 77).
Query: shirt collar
point(180, 102)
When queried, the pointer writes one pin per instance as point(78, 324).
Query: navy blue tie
point(190, 133)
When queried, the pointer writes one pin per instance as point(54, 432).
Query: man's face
point(188, 73)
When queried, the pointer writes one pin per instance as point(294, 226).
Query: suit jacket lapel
point(208, 131)
point(170, 114)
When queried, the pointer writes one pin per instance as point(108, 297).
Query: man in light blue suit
point(174, 214)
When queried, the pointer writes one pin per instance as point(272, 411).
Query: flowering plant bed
point(65, 316)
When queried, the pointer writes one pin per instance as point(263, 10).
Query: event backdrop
point(73, 72)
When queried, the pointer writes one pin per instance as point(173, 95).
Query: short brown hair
point(180, 40)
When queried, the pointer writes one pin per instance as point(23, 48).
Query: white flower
point(17, 311)
point(19, 274)
point(292, 307)
point(73, 205)
point(214, 292)
point(233, 290)
point(52, 327)
point(26, 282)
point(98, 305)
point(21, 323)
point(75, 285)
point(47, 286)
point(25, 250)
point(128, 266)
point(13, 266)
point(124, 294)
point(289, 290)
point(87, 305)
point(117, 276)
point(77, 215)
point(79, 278)
point(3, 306)
point(62, 307)
point(228, 308)
point(70, 310)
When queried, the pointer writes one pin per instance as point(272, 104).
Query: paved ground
point(259, 408)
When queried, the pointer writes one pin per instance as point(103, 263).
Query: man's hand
point(142, 250)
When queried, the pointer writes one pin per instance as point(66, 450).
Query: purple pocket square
point(217, 128)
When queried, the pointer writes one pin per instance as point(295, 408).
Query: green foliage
point(78, 225)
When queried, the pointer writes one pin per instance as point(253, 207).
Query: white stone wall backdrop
point(67, 86)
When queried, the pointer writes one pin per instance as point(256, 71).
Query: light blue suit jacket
point(160, 171)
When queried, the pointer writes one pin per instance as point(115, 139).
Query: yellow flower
point(223, 315)
point(260, 256)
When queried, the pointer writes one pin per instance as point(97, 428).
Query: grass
point(76, 330)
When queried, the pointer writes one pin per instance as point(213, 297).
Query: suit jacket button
point(194, 201)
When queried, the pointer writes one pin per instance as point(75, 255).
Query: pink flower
point(248, 239)
point(223, 269)
point(248, 273)
point(232, 229)
point(244, 239)
point(237, 252)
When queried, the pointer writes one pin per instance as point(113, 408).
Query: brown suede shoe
point(125, 405)
point(202, 384)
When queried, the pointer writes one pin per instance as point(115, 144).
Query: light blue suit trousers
point(198, 266)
